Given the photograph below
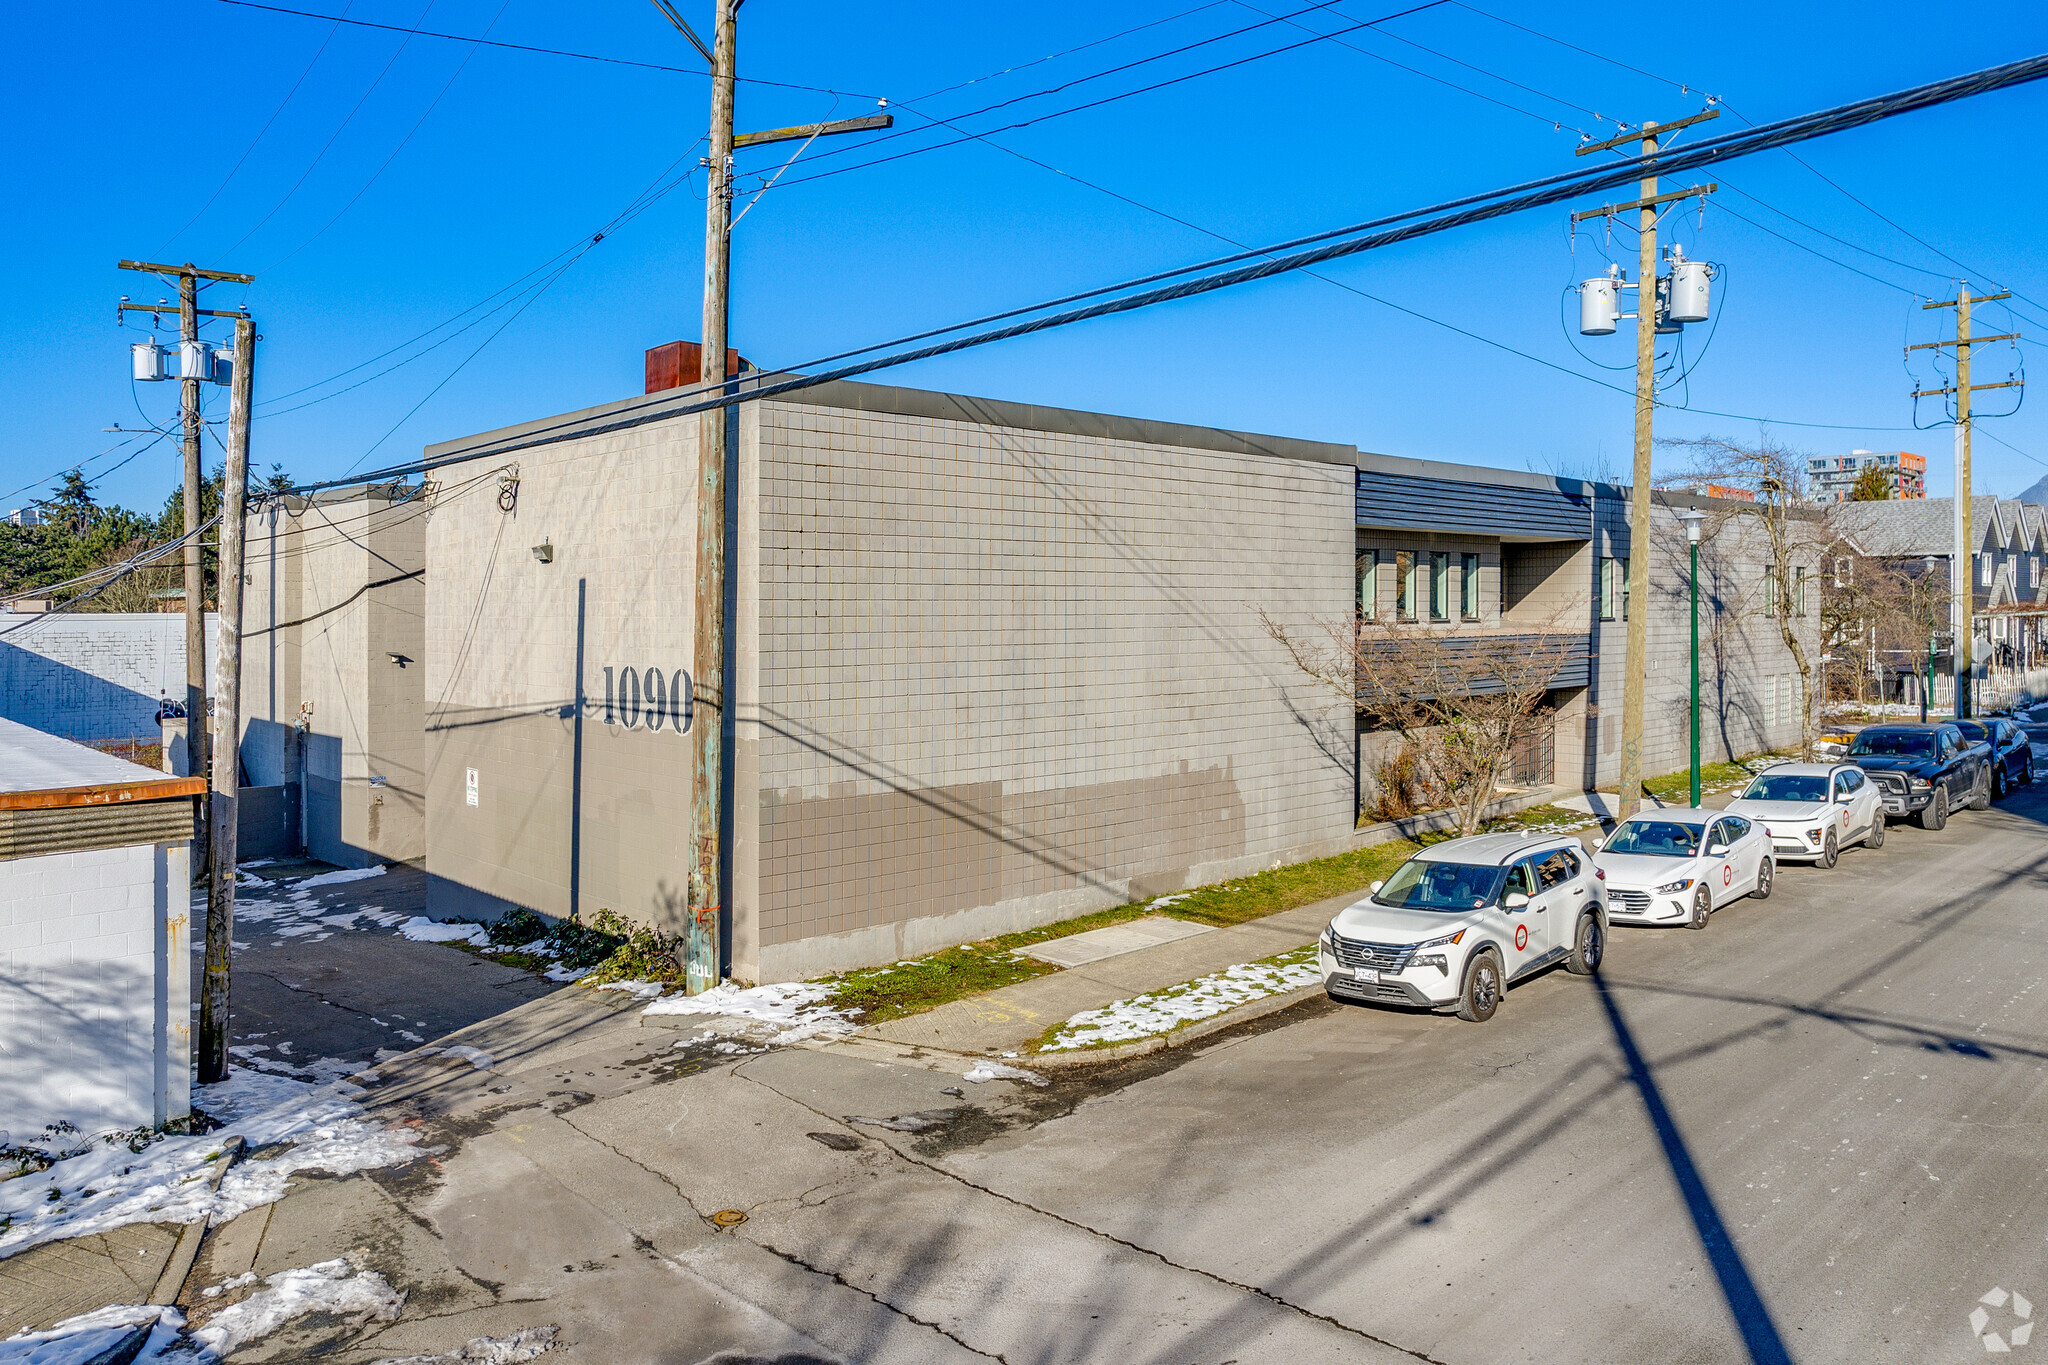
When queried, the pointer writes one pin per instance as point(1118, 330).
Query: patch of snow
point(1163, 1011)
point(639, 990)
point(561, 973)
point(336, 1287)
point(241, 1281)
point(1174, 899)
point(352, 874)
point(78, 1340)
point(797, 1008)
point(996, 1071)
point(423, 930)
point(107, 1186)
point(475, 1056)
point(486, 1350)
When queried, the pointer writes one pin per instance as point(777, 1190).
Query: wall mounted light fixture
point(544, 552)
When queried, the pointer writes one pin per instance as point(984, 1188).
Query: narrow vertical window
point(1799, 592)
point(1770, 593)
point(1404, 585)
point(1607, 601)
point(1439, 585)
point(1468, 586)
point(1621, 572)
point(1369, 585)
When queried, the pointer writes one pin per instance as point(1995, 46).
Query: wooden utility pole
point(702, 969)
point(710, 909)
point(1636, 599)
point(227, 721)
point(1963, 565)
point(189, 312)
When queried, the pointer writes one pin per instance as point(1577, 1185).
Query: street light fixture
point(1692, 518)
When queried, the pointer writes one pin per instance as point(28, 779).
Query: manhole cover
point(728, 1218)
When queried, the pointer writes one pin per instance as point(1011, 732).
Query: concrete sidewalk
point(1009, 1019)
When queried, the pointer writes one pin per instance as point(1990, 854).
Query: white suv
point(1460, 921)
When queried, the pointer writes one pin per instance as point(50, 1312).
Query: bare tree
point(1795, 537)
point(1877, 614)
point(1462, 700)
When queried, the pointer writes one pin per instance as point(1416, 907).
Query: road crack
point(873, 1297)
point(1145, 1251)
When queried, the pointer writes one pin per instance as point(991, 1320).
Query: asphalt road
point(1813, 1131)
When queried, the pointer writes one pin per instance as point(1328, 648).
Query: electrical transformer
point(1689, 294)
point(1599, 305)
point(148, 360)
point(195, 360)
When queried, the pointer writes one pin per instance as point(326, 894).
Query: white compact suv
point(1812, 811)
point(1459, 922)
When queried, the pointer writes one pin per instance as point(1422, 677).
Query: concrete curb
point(172, 1282)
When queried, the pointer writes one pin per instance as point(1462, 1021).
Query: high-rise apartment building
point(1834, 475)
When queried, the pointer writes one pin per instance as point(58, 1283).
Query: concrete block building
point(333, 687)
point(996, 664)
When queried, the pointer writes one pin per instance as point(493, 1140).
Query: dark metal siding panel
point(1487, 509)
point(74, 829)
point(1576, 670)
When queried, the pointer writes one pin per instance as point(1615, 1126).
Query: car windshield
point(1788, 787)
point(1663, 838)
point(1893, 744)
point(1424, 884)
point(1972, 730)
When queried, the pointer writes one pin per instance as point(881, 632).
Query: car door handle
point(1578, 891)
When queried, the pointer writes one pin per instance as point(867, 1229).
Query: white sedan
point(1679, 866)
point(1811, 811)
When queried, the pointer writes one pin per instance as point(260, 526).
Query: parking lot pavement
point(324, 982)
point(1812, 1131)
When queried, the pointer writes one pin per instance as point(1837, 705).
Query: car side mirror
point(1375, 888)
point(1717, 850)
point(1514, 900)
point(1845, 797)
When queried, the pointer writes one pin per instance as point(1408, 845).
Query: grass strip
point(878, 994)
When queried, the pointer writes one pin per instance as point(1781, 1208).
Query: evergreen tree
point(1873, 484)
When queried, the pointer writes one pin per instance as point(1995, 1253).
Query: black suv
point(2013, 754)
point(1924, 770)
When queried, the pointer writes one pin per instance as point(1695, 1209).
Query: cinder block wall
point(94, 675)
point(1009, 675)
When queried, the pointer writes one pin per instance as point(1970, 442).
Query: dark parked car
point(1924, 770)
point(2012, 752)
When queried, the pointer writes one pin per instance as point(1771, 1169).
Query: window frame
point(1439, 585)
point(1470, 607)
point(1404, 585)
point(1609, 600)
point(1368, 572)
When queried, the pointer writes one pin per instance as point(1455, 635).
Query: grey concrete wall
point(503, 636)
point(1009, 675)
point(326, 708)
point(93, 675)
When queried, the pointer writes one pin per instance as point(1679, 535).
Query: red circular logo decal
point(1521, 937)
point(1727, 874)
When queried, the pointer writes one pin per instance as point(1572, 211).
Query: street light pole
point(1692, 517)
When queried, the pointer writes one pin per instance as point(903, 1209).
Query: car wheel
point(1481, 996)
point(1702, 906)
point(1934, 814)
point(1588, 947)
point(1765, 872)
point(1998, 783)
point(1980, 798)
point(1874, 838)
point(1830, 852)
point(2027, 770)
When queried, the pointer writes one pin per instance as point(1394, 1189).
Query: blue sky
point(405, 181)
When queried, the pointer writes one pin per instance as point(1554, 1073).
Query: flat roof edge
point(849, 395)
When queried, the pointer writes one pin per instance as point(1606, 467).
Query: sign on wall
point(649, 698)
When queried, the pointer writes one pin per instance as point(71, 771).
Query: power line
point(418, 123)
point(1108, 99)
point(1496, 204)
point(1068, 52)
point(328, 145)
point(248, 151)
point(543, 51)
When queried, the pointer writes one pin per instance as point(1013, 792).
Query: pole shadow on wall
point(576, 709)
